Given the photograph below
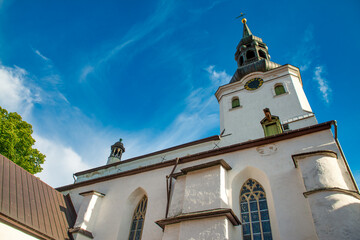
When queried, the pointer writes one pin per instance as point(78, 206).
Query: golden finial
point(243, 20)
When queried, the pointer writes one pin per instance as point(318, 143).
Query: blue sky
point(86, 73)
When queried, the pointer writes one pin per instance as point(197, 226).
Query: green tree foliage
point(16, 142)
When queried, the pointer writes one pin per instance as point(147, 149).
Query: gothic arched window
point(137, 224)
point(254, 212)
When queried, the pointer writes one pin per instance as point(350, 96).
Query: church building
point(273, 172)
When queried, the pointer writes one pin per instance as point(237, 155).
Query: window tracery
point(254, 212)
point(137, 224)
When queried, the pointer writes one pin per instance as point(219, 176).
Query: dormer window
point(235, 102)
point(279, 89)
point(271, 124)
point(250, 54)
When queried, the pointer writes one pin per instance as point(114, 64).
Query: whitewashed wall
point(10, 233)
point(271, 165)
point(243, 123)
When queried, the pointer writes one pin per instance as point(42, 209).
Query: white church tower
point(273, 172)
point(263, 98)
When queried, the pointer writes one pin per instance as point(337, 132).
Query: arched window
point(137, 224)
point(235, 102)
point(250, 54)
point(279, 89)
point(262, 54)
point(254, 212)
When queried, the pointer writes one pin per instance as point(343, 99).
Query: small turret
point(116, 152)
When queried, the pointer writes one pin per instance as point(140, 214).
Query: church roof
point(188, 158)
point(32, 206)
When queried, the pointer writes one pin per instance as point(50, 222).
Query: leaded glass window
point(137, 224)
point(254, 212)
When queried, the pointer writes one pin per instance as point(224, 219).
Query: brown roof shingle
point(31, 205)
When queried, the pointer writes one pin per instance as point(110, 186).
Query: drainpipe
point(334, 123)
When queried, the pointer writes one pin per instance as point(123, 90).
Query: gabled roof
point(32, 206)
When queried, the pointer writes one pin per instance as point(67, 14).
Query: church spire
point(246, 31)
point(251, 55)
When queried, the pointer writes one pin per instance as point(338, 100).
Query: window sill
point(283, 94)
point(238, 107)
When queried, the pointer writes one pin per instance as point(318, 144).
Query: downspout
point(169, 187)
point(343, 156)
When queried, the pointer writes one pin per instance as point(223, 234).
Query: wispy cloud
point(40, 55)
point(199, 117)
point(15, 92)
point(304, 55)
point(206, 8)
point(322, 83)
point(85, 72)
point(135, 34)
point(218, 78)
point(61, 162)
point(357, 177)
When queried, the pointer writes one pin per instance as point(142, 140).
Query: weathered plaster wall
point(271, 165)
point(336, 215)
point(203, 190)
point(213, 228)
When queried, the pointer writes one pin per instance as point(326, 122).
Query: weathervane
point(241, 15)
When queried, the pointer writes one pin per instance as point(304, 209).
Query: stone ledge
point(227, 212)
point(299, 156)
point(92, 192)
point(333, 189)
point(81, 231)
point(184, 171)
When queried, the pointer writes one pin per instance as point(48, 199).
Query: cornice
point(292, 70)
point(227, 212)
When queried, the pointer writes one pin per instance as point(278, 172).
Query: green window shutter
point(235, 103)
point(272, 129)
point(279, 90)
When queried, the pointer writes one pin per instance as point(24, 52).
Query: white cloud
point(199, 117)
point(85, 72)
point(304, 55)
point(357, 177)
point(61, 162)
point(15, 94)
point(136, 33)
point(322, 83)
point(40, 55)
point(218, 78)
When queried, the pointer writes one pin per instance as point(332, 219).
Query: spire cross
point(241, 15)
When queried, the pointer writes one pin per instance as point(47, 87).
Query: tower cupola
point(251, 55)
point(116, 152)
